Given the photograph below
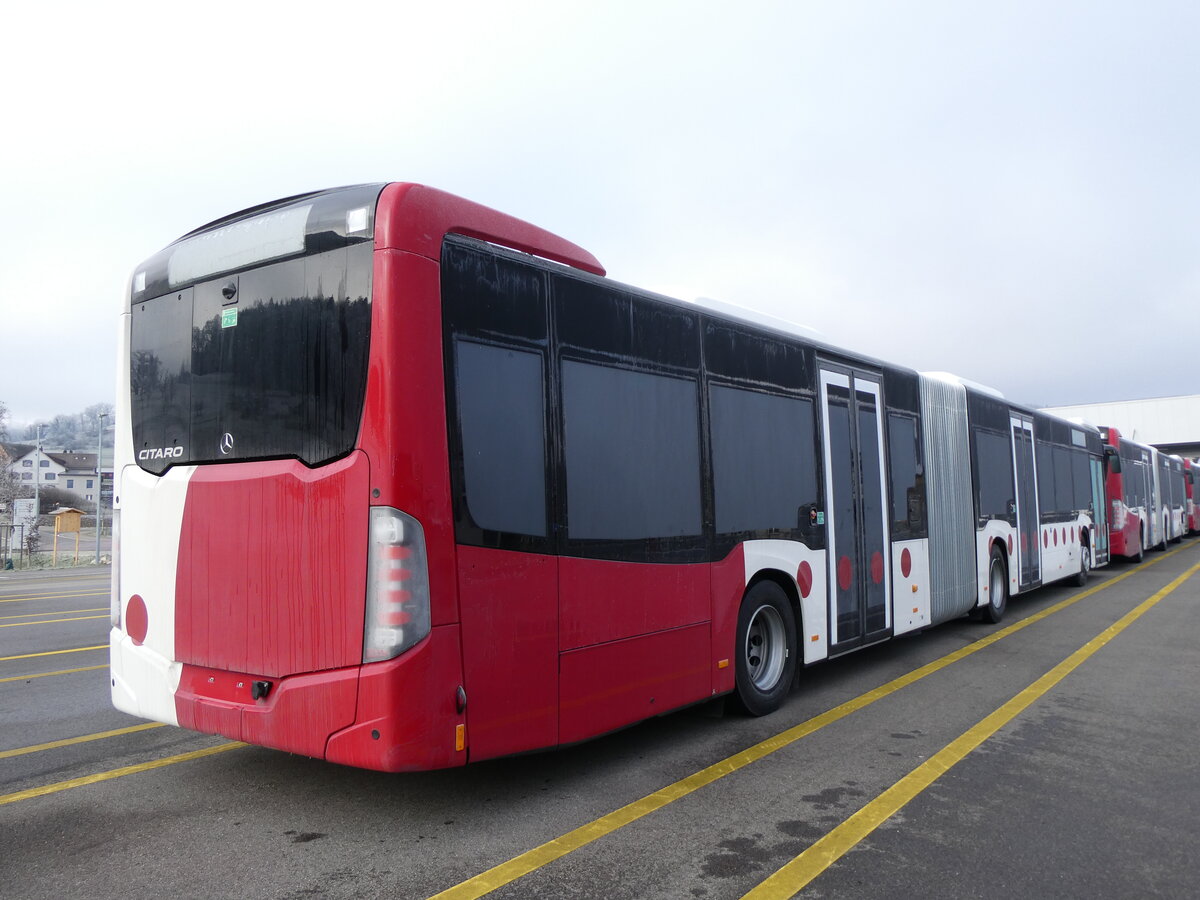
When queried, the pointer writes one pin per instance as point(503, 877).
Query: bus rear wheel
point(1085, 565)
point(997, 588)
point(765, 654)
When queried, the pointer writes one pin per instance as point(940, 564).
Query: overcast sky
point(1007, 191)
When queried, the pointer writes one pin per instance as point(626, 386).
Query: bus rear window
point(266, 363)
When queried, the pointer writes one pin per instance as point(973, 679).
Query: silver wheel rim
point(997, 585)
point(766, 648)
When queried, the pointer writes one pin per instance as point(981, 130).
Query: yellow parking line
point(115, 773)
point(793, 877)
point(66, 742)
point(48, 674)
point(55, 596)
point(61, 612)
point(53, 652)
point(531, 860)
point(50, 621)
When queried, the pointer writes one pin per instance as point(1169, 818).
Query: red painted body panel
point(613, 685)
point(272, 567)
point(298, 714)
point(510, 649)
point(415, 218)
point(602, 600)
point(728, 586)
point(410, 702)
point(404, 413)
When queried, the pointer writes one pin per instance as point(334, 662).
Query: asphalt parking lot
point(1054, 755)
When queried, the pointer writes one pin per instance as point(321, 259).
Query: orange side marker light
point(460, 737)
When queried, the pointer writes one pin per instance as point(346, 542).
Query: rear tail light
point(114, 597)
point(1118, 515)
point(397, 585)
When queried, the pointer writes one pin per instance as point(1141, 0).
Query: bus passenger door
point(856, 524)
point(1099, 512)
point(1029, 549)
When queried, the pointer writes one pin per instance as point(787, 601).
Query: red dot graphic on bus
point(905, 563)
point(136, 619)
point(1010, 544)
point(877, 567)
point(1024, 542)
point(845, 572)
point(804, 579)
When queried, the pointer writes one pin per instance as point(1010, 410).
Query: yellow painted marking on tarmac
point(48, 674)
point(51, 621)
point(61, 612)
point(66, 742)
point(54, 652)
point(115, 773)
point(531, 860)
point(55, 596)
point(794, 876)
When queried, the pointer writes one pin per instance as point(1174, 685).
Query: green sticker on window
point(229, 317)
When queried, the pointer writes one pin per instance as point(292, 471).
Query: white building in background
point(1168, 423)
point(74, 472)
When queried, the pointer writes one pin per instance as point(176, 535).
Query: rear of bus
point(284, 567)
point(1125, 523)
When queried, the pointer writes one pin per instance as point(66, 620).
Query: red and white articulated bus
point(403, 482)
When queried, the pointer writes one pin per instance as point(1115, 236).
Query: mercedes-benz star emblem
point(226, 443)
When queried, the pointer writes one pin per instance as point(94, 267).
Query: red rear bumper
point(399, 715)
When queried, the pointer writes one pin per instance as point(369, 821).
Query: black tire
point(765, 649)
point(1085, 565)
point(1141, 554)
point(997, 588)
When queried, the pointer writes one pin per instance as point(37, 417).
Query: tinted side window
point(1081, 475)
point(632, 453)
point(1135, 484)
point(993, 463)
point(1064, 483)
point(502, 421)
point(907, 489)
point(764, 462)
point(1045, 477)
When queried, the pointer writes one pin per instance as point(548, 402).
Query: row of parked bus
point(1152, 496)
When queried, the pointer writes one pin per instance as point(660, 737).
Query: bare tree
point(3, 421)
